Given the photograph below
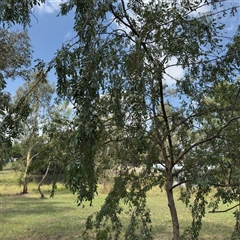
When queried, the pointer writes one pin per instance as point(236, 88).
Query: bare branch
point(221, 211)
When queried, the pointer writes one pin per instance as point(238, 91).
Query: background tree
point(38, 100)
point(15, 60)
point(16, 54)
point(57, 150)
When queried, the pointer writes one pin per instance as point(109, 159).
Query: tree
point(38, 101)
point(15, 54)
point(116, 71)
point(15, 60)
point(57, 150)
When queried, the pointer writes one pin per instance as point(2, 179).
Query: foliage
point(224, 173)
point(15, 54)
point(116, 71)
point(15, 59)
point(17, 12)
point(57, 149)
point(37, 96)
point(16, 151)
point(236, 232)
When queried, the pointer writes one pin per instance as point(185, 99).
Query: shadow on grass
point(213, 231)
point(60, 218)
point(27, 217)
point(19, 204)
point(6, 171)
point(217, 231)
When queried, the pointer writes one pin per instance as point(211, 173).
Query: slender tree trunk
point(172, 207)
point(25, 176)
point(39, 185)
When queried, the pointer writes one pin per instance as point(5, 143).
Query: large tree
point(116, 71)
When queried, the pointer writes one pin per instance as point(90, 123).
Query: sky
point(48, 32)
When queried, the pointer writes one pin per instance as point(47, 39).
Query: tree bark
point(172, 207)
point(25, 176)
point(39, 185)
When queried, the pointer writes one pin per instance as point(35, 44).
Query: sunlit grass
point(29, 217)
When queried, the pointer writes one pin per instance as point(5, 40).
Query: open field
point(27, 217)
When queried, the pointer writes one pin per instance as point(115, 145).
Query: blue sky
point(48, 32)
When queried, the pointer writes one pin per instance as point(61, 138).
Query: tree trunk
point(39, 185)
point(25, 176)
point(25, 189)
point(172, 207)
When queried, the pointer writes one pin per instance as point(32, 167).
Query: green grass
point(30, 218)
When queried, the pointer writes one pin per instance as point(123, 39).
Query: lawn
point(30, 218)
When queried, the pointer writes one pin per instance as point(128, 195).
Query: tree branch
point(221, 211)
point(225, 185)
point(206, 139)
point(180, 183)
point(33, 157)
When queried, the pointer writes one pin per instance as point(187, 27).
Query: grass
point(27, 217)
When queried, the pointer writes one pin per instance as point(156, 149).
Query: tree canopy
point(15, 61)
point(17, 12)
point(116, 73)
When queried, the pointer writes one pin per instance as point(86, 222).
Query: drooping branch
point(225, 185)
point(21, 101)
point(226, 210)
